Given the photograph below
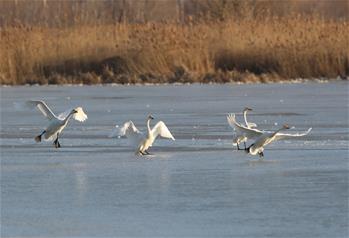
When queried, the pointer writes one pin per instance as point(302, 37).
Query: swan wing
point(249, 132)
point(161, 129)
point(80, 115)
point(232, 121)
point(263, 140)
point(43, 108)
point(130, 131)
point(280, 135)
point(64, 114)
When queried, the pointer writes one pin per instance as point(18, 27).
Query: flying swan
point(137, 138)
point(56, 123)
point(241, 137)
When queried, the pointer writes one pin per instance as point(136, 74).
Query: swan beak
point(151, 117)
point(248, 109)
point(75, 111)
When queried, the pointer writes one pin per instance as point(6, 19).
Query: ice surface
point(196, 186)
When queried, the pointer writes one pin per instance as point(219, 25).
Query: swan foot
point(145, 152)
point(261, 155)
point(245, 145)
point(38, 138)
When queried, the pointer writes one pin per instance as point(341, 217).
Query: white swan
point(56, 124)
point(137, 139)
point(267, 137)
point(241, 136)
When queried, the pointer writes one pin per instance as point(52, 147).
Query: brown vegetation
point(254, 49)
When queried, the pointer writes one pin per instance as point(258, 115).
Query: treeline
point(131, 41)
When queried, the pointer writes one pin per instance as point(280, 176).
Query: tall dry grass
point(287, 47)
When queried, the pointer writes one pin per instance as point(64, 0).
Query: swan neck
point(68, 117)
point(245, 118)
point(148, 126)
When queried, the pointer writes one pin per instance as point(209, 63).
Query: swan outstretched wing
point(64, 114)
point(41, 105)
point(281, 135)
point(232, 121)
point(161, 129)
point(79, 116)
point(249, 132)
point(131, 132)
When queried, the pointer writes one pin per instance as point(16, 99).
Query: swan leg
point(38, 138)
point(147, 152)
point(245, 145)
point(56, 143)
point(237, 144)
point(261, 155)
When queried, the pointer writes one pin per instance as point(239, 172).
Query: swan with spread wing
point(262, 138)
point(140, 141)
point(56, 123)
point(241, 136)
point(266, 138)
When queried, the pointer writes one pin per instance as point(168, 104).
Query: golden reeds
point(205, 51)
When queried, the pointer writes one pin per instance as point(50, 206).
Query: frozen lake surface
point(196, 186)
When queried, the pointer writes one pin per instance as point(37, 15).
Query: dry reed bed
point(234, 50)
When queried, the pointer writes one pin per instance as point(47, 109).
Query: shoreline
point(291, 81)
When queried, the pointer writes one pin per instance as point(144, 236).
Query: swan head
point(150, 117)
point(247, 109)
point(286, 126)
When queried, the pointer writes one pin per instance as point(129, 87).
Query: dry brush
point(264, 49)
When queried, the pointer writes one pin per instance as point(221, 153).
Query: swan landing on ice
point(262, 138)
point(56, 123)
point(140, 141)
point(240, 136)
point(257, 147)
